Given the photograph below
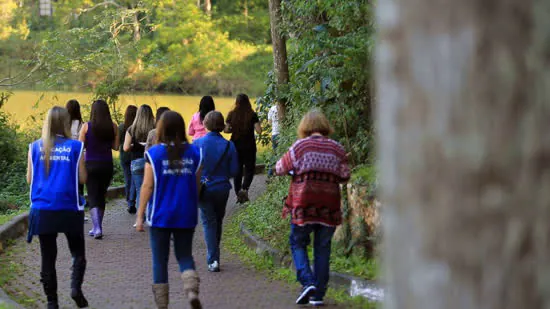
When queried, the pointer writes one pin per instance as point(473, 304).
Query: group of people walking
point(171, 181)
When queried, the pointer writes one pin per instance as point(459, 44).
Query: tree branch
point(13, 81)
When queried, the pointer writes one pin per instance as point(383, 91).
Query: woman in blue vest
point(170, 195)
point(55, 168)
point(220, 163)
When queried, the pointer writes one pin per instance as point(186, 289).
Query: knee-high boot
point(94, 214)
point(77, 277)
point(49, 283)
point(99, 231)
point(191, 287)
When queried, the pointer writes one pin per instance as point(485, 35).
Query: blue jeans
point(129, 188)
point(212, 207)
point(137, 167)
point(299, 241)
point(160, 247)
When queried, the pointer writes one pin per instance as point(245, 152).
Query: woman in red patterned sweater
point(318, 166)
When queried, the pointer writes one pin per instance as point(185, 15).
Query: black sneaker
point(306, 293)
point(132, 210)
point(214, 267)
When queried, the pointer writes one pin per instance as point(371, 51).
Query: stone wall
point(361, 223)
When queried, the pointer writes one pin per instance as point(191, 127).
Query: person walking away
point(100, 137)
point(152, 136)
point(170, 194)
point(134, 142)
point(220, 163)
point(318, 166)
point(196, 126)
point(273, 119)
point(55, 167)
point(73, 107)
point(241, 122)
point(126, 158)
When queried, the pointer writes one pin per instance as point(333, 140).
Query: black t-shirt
point(244, 139)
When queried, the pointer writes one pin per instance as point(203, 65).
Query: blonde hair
point(57, 122)
point(314, 122)
point(143, 123)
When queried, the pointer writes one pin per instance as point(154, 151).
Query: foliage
point(329, 50)
point(145, 45)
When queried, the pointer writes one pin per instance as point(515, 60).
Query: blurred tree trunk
point(280, 63)
point(208, 6)
point(464, 122)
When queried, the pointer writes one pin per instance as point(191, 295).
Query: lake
point(24, 104)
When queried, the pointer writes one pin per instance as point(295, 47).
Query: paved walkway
point(119, 271)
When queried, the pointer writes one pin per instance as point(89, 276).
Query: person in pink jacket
point(196, 127)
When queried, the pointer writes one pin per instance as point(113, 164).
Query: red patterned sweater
point(318, 165)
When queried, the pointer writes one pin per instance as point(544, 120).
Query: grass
point(9, 270)
point(10, 214)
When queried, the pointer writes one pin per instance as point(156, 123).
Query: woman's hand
point(139, 224)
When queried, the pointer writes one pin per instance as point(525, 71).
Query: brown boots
point(191, 287)
point(161, 292)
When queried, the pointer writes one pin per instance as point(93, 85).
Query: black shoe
point(306, 293)
point(132, 210)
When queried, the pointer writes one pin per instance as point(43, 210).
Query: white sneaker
point(316, 302)
point(135, 224)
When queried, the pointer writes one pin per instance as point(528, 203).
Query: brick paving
point(119, 271)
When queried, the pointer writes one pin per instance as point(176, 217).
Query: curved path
point(119, 271)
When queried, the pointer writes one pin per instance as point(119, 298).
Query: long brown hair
point(57, 122)
point(241, 115)
point(171, 131)
point(102, 123)
point(129, 116)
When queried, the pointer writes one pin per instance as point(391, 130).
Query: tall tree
point(464, 150)
point(280, 63)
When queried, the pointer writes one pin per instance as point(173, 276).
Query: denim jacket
point(213, 145)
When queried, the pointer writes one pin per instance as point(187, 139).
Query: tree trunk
point(208, 6)
point(280, 64)
point(464, 122)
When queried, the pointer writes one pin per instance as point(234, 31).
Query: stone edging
point(355, 286)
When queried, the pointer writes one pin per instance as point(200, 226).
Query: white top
point(273, 117)
point(75, 128)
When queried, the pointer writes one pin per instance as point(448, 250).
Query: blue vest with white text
point(58, 189)
point(174, 202)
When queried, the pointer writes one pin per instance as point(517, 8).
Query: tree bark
point(464, 122)
point(208, 6)
point(280, 63)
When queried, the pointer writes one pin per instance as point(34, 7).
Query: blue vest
point(57, 190)
point(174, 201)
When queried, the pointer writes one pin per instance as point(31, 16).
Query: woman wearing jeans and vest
point(220, 163)
point(100, 137)
point(134, 142)
point(55, 168)
point(170, 194)
point(318, 166)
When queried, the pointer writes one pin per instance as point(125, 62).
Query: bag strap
point(221, 158)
